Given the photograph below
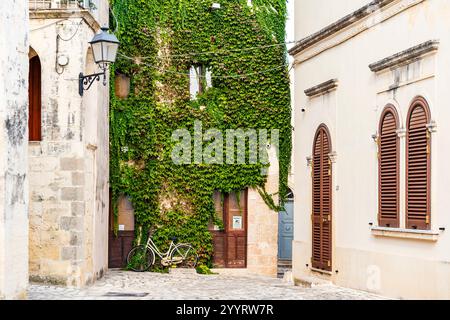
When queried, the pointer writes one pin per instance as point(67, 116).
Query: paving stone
point(155, 286)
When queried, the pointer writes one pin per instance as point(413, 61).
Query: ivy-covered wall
point(160, 40)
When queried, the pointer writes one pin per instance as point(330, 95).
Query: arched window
point(322, 201)
point(34, 98)
point(418, 163)
point(389, 159)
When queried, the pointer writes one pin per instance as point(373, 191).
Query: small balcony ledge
point(60, 4)
point(426, 235)
point(64, 9)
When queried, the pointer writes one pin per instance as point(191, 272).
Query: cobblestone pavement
point(151, 286)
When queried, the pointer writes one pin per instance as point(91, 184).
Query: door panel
point(219, 257)
point(322, 202)
point(286, 231)
point(230, 245)
point(236, 230)
point(119, 246)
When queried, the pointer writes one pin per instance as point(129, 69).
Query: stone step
point(284, 264)
point(311, 282)
point(283, 269)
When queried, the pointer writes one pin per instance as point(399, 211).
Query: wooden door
point(236, 230)
point(120, 245)
point(322, 204)
point(219, 236)
point(230, 244)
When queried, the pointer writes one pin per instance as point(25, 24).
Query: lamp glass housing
point(104, 48)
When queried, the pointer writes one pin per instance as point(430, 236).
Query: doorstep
point(311, 282)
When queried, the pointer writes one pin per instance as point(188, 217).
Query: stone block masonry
point(68, 168)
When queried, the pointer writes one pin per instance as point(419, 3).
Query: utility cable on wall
point(202, 76)
point(60, 68)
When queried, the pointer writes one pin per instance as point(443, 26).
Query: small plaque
point(237, 222)
point(121, 227)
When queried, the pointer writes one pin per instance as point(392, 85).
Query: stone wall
point(69, 168)
point(262, 242)
point(13, 148)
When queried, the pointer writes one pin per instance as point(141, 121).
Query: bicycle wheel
point(140, 259)
point(184, 256)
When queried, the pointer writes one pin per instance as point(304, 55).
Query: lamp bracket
point(86, 81)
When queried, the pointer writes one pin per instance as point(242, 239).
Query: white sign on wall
point(237, 222)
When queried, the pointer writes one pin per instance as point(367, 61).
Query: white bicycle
point(143, 257)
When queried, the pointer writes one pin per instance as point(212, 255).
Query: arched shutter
point(418, 168)
point(316, 218)
point(389, 170)
point(322, 203)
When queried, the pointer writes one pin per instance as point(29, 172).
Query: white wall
point(13, 148)
point(313, 15)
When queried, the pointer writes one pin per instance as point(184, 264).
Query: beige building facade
point(68, 161)
point(371, 144)
point(262, 245)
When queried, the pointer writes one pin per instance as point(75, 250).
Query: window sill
point(426, 235)
point(327, 273)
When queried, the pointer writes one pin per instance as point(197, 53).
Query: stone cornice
point(406, 56)
point(339, 25)
point(322, 88)
point(66, 14)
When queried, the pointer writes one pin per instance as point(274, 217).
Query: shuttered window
point(34, 98)
point(388, 153)
point(321, 215)
point(418, 158)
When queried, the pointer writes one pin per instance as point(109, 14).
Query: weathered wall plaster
point(13, 148)
point(69, 168)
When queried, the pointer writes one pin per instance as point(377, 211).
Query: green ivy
point(160, 36)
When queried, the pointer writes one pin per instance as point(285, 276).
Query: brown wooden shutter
point(316, 218)
point(322, 202)
point(418, 167)
point(34, 97)
point(389, 170)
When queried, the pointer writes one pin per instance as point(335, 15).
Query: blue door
point(286, 230)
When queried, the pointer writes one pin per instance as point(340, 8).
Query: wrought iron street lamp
point(104, 48)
